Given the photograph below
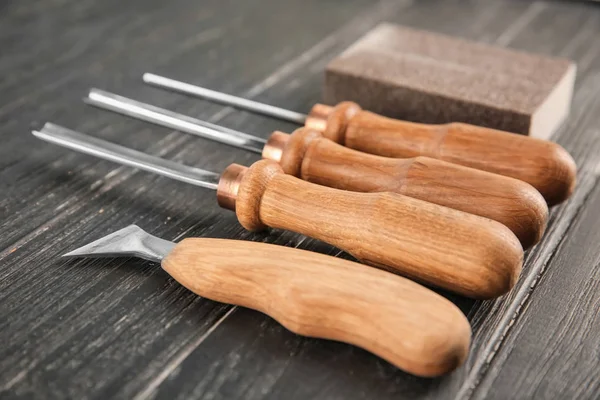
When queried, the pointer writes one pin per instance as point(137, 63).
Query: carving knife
point(311, 294)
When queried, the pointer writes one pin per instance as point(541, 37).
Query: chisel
point(310, 294)
point(543, 164)
point(439, 246)
point(306, 154)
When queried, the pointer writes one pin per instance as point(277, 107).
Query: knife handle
point(543, 164)
point(460, 252)
point(320, 296)
point(308, 155)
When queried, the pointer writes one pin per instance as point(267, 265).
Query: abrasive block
point(432, 78)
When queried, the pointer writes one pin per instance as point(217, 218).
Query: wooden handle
point(461, 252)
point(543, 164)
point(516, 204)
point(325, 297)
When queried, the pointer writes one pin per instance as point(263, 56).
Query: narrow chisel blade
point(123, 155)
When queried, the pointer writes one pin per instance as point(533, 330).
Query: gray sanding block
point(432, 78)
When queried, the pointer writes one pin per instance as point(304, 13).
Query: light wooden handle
point(461, 252)
point(543, 164)
point(516, 204)
point(325, 297)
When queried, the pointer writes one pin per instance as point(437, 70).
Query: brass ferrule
point(273, 150)
point(229, 185)
point(317, 118)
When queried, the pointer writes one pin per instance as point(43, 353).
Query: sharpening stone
point(427, 77)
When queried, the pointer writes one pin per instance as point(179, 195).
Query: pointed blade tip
point(126, 242)
point(70, 254)
point(84, 250)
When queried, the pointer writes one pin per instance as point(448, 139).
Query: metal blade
point(123, 155)
point(129, 241)
point(223, 98)
point(169, 119)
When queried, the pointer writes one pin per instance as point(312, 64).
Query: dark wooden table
point(124, 329)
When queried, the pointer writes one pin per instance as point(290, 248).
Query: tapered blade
point(123, 155)
point(131, 241)
point(169, 119)
point(223, 98)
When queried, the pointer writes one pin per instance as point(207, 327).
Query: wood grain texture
point(314, 295)
point(543, 164)
point(565, 306)
point(439, 246)
point(539, 261)
point(100, 329)
point(515, 204)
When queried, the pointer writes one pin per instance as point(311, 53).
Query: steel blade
point(169, 119)
point(223, 98)
point(126, 156)
point(129, 241)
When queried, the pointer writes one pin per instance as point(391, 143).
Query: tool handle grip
point(516, 204)
point(461, 252)
point(325, 297)
point(543, 164)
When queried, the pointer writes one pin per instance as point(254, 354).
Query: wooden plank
point(553, 349)
point(495, 319)
point(122, 328)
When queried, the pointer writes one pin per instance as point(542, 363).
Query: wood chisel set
point(450, 206)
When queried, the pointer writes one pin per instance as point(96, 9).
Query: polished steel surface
point(169, 119)
point(129, 241)
point(223, 98)
point(126, 156)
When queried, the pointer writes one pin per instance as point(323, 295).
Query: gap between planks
point(529, 284)
point(536, 271)
point(179, 358)
point(537, 261)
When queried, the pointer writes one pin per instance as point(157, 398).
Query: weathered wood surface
point(124, 329)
